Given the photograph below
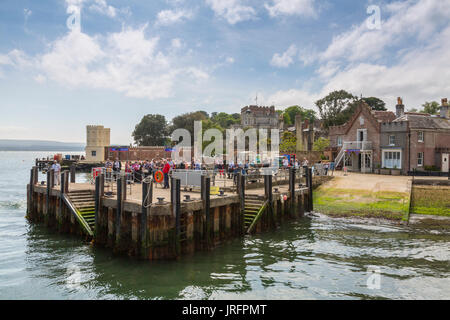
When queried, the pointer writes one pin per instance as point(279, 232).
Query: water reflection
point(307, 259)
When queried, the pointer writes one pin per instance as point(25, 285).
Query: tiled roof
point(384, 116)
point(424, 121)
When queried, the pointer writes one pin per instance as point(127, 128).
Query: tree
point(375, 103)
point(288, 142)
point(225, 120)
point(186, 121)
point(151, 131)
point(321, 144)
point(291, 112)
point(332, 106)
point(432, 108)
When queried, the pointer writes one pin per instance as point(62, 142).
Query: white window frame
point(390, 142)
point(420, 133)
point(393, 157)
point(420, 164)
point(339, 141)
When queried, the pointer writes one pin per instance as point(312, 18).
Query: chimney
point(400, 108)
point(445, 111)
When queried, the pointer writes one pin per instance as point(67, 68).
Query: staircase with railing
point(254, 209)
point(82, 206)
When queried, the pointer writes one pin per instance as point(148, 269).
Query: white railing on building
point(358, 145)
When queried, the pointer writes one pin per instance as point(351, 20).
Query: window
point(392, 140)
point(420, 136)
point(392, 159)
point(420, 159)
point(339, 141)
point(94, 153)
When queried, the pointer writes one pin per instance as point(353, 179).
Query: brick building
point(416, 141)
point(356, 144)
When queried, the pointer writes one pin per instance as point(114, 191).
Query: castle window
point(94, 153)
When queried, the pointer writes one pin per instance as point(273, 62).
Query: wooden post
point(310, 185)
point(47, 195)
point(61, 200)
point(202, 187)
point(147, 198)
point(292, 172)
point(177, 212)
point(207, 195)
point(120, 199)
point(52, 178)
point(97, 204)
point(72, 173)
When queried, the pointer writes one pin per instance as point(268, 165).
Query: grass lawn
point(431, 200)
point(362, 203)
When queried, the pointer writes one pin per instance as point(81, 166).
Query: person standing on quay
point(166, 170)
point(57, 171)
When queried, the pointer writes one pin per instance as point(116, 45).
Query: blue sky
point(131, 58)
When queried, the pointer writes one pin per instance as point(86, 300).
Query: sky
point(65, 64)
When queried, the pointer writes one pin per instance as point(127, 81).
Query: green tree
point(186, 121)
point(291, 112)
point(288, 142)
point(375, 103)
point(151, 131)
point(332, 106)
point(225, 120)
point(321, 144)
point(432, 108)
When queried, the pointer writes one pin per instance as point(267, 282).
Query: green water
point(313, 258)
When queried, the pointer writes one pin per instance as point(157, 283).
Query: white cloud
point(285, 59)
point(126, 62)
point(102, 7)
point(417, 20)
point(304, 8)
point(233, 11)
point(229, 60)
point(168, 17)
point(176, 43)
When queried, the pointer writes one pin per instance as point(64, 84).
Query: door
point(445, 162)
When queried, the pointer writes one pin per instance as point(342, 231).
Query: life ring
point(159, 176)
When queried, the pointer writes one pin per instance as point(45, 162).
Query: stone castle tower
point(97, 138)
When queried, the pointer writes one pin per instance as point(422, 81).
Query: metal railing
point(357, 145)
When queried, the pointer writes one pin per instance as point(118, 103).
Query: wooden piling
point(97, 205)
point(207, 195)
point(310, 188)
point(72, 173)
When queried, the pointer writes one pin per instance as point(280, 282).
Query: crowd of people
point(138, 170)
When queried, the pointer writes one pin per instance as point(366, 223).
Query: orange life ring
point(159, 176)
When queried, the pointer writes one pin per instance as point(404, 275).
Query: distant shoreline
point(40, 146)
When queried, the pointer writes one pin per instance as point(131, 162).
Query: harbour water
point(314, 258)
